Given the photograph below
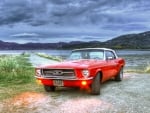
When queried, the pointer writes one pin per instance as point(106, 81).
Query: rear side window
point(96, 55)
point(110, 55)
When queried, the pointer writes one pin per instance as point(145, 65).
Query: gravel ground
point(132, 95)
point(129, 96)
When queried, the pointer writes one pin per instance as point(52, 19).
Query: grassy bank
point(49, 57)
point(137, 63)
point(15, 74)
point(147, 69)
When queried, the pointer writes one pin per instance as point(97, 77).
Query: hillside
point(130, 41)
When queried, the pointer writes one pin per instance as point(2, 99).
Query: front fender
point(94, 72)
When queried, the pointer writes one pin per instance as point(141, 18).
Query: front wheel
point(49, 88)
point(95, 87)
point(119, 77)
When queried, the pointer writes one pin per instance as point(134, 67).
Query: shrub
point(15, 69)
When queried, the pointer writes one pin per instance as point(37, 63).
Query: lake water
point(136, 60)
point(67, 52)
point(51, 52)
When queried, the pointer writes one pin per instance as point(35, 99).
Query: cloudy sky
point(25, 21)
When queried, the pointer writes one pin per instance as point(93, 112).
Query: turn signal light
point(39, 82)
point(84, 83)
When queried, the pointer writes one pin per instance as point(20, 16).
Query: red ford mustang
point(85, 68)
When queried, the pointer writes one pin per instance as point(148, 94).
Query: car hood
point(74, 64)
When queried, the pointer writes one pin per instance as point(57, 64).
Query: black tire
point(119, 77)
point(49, 88)
point(95, 86)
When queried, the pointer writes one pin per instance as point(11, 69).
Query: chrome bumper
point(49, 78)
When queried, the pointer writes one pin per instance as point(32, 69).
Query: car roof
point(93, 49)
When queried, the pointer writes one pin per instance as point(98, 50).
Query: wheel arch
point(101, 74)
point(121, 67)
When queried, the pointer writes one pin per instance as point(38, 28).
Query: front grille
point(58, 73)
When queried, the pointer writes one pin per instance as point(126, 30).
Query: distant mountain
point(30, 46)
point(130, 41)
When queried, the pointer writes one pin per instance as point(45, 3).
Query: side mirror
point(109, 58)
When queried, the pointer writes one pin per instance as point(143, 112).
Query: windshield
point(87, 54)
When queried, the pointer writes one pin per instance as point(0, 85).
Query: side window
point(110, 55)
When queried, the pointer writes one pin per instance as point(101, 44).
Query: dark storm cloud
point(14, 11)
point(68, 12)
point(70, 18)
point(54, 11)
point(60, 1)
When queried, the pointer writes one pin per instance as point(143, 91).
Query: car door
point(112, 64)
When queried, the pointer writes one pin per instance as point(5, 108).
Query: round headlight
point(85, 73)
point(38, 72)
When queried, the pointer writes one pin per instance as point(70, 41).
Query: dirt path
point(38, 61)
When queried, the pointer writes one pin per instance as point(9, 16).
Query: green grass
point(15, 69)
point(15, 74)
point(49, 57)
point(139, 69)
point(147, 68)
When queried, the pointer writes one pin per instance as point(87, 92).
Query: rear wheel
point(49, 88)
point(95, 87)
point(119, 77)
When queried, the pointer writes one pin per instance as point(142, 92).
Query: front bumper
point(66, 82)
